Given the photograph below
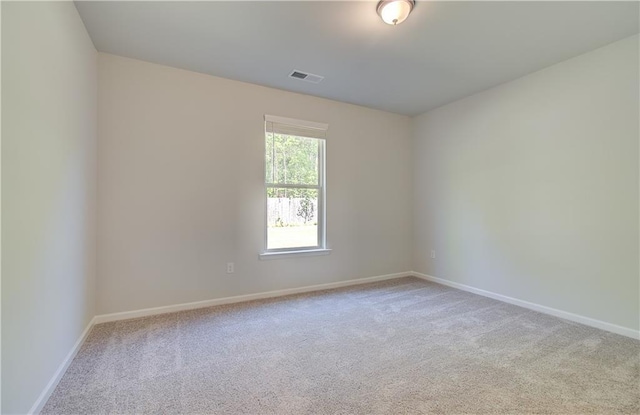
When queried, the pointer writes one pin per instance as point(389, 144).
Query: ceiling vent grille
point(307, 77)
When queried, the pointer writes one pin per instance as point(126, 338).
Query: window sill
point(292, 254)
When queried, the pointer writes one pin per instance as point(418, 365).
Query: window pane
point(269, 158)
point(291, 159)
point(292, 218)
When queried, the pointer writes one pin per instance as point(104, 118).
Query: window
point(294, 186)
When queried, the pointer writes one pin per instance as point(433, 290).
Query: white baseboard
point(126, 315)
point(625, 331)
point(51, 386)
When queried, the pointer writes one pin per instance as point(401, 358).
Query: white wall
point(530, 189)
point(181, 188)
point(49, 129)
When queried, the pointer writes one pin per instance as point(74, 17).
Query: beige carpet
point(397, 347)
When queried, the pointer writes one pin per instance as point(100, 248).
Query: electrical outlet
point(433, 253)
point(230, 267)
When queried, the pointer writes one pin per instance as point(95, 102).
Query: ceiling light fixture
point(395, 11)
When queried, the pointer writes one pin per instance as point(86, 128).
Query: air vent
point(307, 77)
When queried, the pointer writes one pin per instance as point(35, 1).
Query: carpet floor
point(403, 346)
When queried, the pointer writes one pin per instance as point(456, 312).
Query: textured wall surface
point(181, 188)
point(530, 189)
point(49, 130)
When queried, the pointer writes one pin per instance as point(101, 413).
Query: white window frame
point(321, 248)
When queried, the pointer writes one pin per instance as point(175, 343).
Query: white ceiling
point(444, 51)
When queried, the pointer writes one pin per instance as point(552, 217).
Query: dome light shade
point(395, 11)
